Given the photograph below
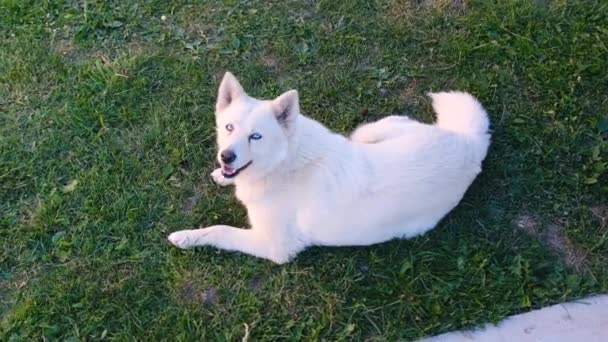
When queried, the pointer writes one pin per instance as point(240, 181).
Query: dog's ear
point(287, 108)
point(230, 89)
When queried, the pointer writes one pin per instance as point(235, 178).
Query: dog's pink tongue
point(227, 169)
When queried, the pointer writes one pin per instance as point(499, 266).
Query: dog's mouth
point(230, 172)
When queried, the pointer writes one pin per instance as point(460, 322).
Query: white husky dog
point(304, 185)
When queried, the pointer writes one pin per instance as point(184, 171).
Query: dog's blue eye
point(255, 136)
point(229, 127)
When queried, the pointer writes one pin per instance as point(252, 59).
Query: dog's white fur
point(305, 186)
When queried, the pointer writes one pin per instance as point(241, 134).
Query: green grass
point(106, 143)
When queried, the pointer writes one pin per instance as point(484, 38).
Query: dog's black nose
point(228, 156)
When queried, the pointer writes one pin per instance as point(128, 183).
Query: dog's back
point(362, 193)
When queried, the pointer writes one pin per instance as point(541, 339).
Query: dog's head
point(252, 135)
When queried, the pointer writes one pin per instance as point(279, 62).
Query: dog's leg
point(219, 178)
point(229, 238)
point(384, 129)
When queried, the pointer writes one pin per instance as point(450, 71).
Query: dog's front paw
point(219, 178)
point(182, 239)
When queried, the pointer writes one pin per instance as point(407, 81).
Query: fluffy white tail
point(461, 113)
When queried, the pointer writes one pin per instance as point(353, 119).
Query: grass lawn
point(107, 142)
